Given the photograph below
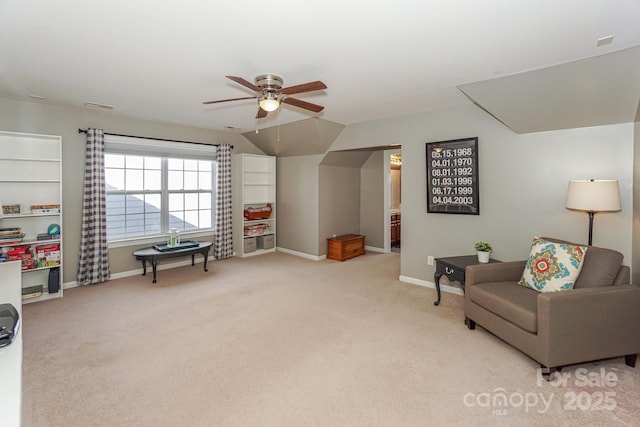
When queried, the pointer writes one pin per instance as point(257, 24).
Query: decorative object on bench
point(597, 318)
point(593, 195)
point(173, 238)
point(484, 251)
point(181, 245)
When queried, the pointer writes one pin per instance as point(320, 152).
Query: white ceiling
point(595, 91)
point(159, 60)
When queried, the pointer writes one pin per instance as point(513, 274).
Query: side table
point(454, 269)
point(154, 256)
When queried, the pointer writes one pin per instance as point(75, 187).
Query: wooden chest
point(341, 248)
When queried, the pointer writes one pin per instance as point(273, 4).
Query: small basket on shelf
point(252, 213)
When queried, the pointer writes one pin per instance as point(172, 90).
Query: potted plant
point(484, 251)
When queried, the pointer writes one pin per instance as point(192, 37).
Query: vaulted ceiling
point(160, 60)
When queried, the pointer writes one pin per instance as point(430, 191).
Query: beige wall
point(28, 117)
point(372, 201)
point(297, 201)
point(339, 203)
point(523, 182)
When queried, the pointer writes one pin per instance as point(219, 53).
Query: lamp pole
point(591, 214)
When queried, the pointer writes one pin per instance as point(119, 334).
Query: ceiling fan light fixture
point(269, 102)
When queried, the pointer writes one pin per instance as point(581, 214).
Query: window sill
point(187, 235)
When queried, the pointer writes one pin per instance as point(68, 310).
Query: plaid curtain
point(224, 224)
point(93, 263)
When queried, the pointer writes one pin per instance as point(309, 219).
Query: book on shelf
point(11, 242)
point(8, 231)
point(11, 236)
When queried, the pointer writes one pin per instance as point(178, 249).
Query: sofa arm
point(594, 323)
point(494, 272)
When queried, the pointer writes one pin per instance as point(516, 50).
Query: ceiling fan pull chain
point(278, 114)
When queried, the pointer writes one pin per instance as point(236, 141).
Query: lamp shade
point(269, 102)
point(593, 195)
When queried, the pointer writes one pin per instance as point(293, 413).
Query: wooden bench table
point(154, 256)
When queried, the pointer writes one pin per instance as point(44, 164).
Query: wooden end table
point(454, 269)
point(154, 256)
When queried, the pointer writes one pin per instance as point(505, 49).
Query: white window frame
point(165, 149)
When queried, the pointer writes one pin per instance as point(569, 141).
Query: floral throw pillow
point(552, 266)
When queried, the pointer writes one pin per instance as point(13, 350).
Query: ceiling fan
point(270, 93)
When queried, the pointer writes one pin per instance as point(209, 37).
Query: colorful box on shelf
point(21, 253)
point(258, 212)
point(48, 256)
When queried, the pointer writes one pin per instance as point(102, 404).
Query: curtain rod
point(154, 139)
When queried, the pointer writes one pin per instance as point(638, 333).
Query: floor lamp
point(593, 195)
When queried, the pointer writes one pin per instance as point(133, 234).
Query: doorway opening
point(393, 200)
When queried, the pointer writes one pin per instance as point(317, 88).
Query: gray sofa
point(598, 319)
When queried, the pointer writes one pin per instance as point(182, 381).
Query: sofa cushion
point(552, 266)
point(514, 303)
point(600, 268)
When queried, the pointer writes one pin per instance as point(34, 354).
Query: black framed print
point(452, 177)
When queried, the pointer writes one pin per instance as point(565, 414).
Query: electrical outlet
point(430, 260)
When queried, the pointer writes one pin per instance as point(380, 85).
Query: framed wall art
point(452, 177)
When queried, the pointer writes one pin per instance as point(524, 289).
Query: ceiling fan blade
point(244, 83)
point(230, 99)
point(303, 104)
point(304, 87)
point(261, 113)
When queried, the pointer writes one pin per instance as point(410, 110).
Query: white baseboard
point(426, 284)
point(374, 249)
point(301, 254)
point(138, 272)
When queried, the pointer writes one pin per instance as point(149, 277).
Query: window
point(147, 195)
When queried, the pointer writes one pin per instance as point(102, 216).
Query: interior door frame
point(387, 196)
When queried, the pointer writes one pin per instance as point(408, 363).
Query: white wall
point(523, 182)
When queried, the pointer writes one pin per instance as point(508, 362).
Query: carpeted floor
point(278, 340)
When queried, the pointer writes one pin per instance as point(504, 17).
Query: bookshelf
point(30, 211)
point(254, 185)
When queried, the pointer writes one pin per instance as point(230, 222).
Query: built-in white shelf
point(254, 184)
point(30, 174)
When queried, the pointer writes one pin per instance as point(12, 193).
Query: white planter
point(483, 257)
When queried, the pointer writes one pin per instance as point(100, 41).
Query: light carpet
point(278, 340)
